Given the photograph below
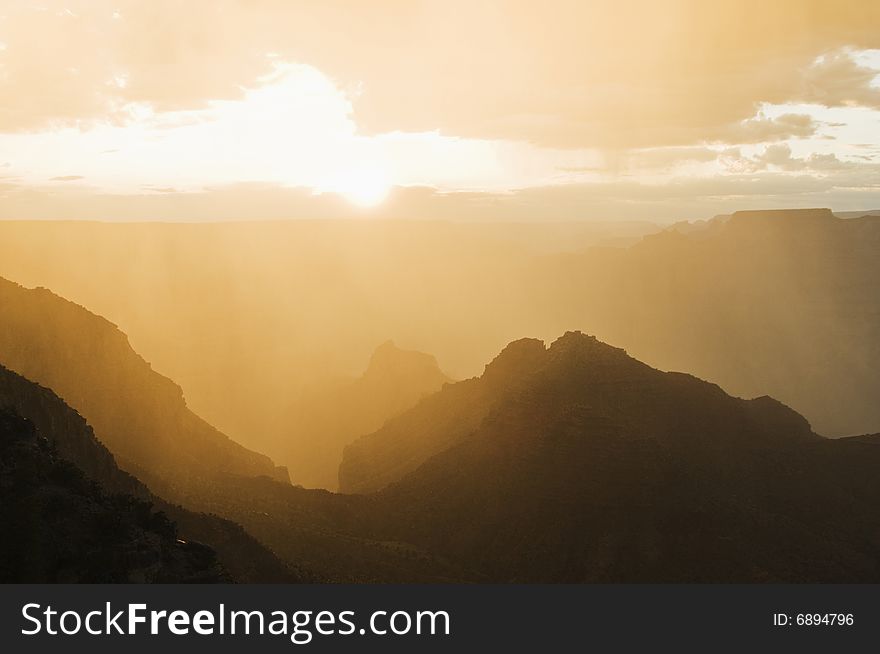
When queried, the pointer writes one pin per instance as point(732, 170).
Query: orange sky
point(469, 110)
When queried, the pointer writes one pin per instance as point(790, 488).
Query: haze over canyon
point(440, 291)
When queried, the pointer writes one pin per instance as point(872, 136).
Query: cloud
point(106, 54)
point(604, 74)
point(662, 159)
point(600, 75)
point(66, 178)
point(837, 80)
point(779, 157)
point(762, 129)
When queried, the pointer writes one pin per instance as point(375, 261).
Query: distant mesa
point(798, 215)
point(389, 362)
point(857, 214)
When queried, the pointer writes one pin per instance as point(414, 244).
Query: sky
point(479, 110)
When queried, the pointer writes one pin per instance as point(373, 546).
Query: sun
point(364, 187)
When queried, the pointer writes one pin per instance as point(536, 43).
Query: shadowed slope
point(596, 467)
point(61, 527)
point(72, 451)
point(578, 463)
point(139, 414)
point(606, 388)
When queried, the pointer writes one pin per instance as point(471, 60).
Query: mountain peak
point(586, 390)
point(577, 341)
point(577, 350)
point(516, 359)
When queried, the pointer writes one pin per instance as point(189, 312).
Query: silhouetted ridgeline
point(611, 381)
point(569, 463)
point(578, 463)
point(266, 312)
point(782, 303)
point(43, 431)
point(592, 466)
point(269, 313)
point(139, 414)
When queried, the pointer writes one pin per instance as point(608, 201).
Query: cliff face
point(61, 527)
point(137, 413)
point(67, 431)
point(47, 435)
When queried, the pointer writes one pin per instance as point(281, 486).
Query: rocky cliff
point(137, 413)
point(48, 434)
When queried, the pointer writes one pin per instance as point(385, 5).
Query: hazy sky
point(555, 110)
